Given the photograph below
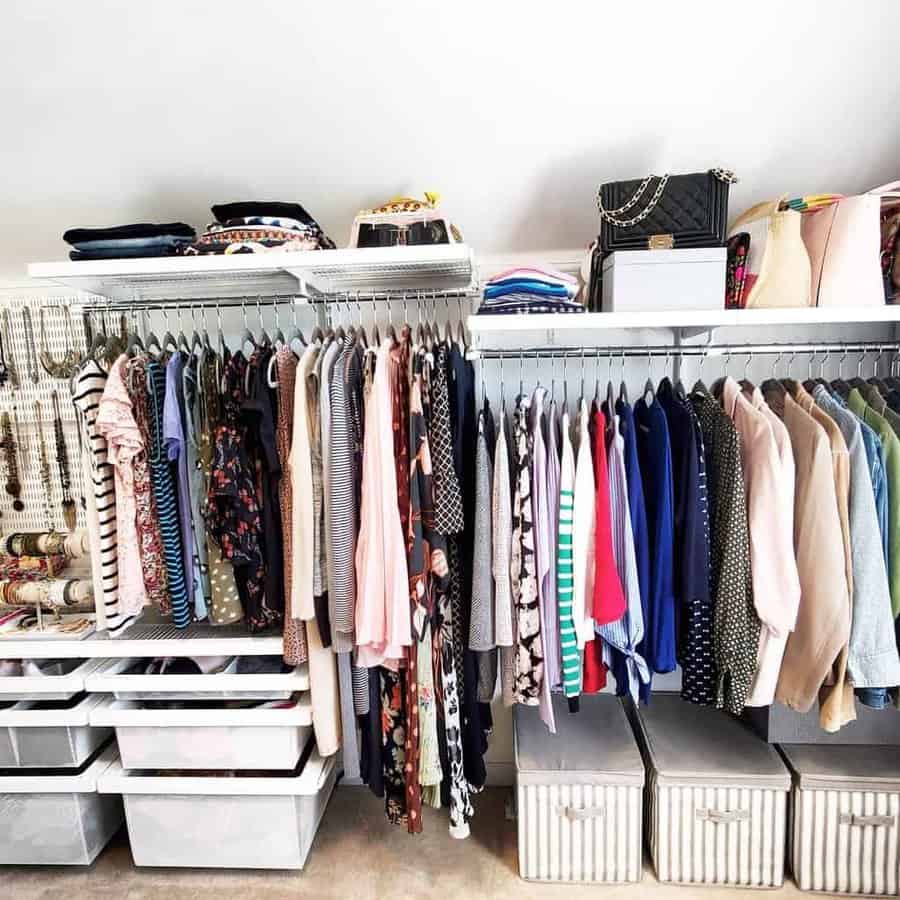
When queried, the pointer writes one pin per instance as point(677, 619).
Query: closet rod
point(421, 295)
point(706, 350)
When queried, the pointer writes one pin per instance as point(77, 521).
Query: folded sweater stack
point(142, 239)
point(259, 226)
point(530, 289)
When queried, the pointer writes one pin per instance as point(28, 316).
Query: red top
point(609, 599)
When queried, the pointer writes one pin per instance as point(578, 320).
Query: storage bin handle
point(574, 814)
point(723, 816)
point(877, 821)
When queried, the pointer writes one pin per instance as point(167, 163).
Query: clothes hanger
point(196, 339)
point(264, 339)
point(168, 340)
point(502, 391)
point(278, 339)
point(875, 380)
point(247, 336)
point(295, 334)
point(840, 386)
point(581, 398)
point(623, 388)
point(182, 342)
point(649, 394)
point(134, 342)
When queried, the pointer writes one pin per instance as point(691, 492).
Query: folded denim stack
point(529, 289)
point(130, 241)
point(259, 226)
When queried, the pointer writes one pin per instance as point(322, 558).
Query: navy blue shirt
point(655, 458)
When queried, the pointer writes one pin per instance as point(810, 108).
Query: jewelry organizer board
point(58, 339)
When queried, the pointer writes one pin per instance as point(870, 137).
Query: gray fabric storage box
point(716, 796)
point(57, 819)
point(845, 813)
point(579, 793)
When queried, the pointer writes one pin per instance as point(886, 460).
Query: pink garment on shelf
point(383, 627)
point(116, 422)
point(532, 272)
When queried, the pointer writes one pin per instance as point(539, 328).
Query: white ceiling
point(113, 112)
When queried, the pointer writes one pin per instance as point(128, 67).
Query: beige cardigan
point(823, 620)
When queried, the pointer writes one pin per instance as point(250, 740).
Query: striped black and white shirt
point(88, 388)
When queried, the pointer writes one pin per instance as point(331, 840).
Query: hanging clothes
point(200, 559)
point(823, 618)
point(836, 705)
point(115, 423)
point(776, 584)
point(622, 637)
point(655, 457)
point(735, 623)
point(530, 654)
point(166, 502)
point(584, 515)
point(872, 660)
point(501, 562)
point(286, 368)
point(565, 571)
point(176, 451)
point(87, 389)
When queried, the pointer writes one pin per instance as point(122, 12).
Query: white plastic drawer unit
point(125, 679)
point(59, 679)
point(716, 796)
point(49, 733)
point(240, 822)
point(211, 737)
point(53, 819)
point(845, 818)
point(579, 794)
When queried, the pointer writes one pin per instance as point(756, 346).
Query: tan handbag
point(778, 273)
point(843, 240)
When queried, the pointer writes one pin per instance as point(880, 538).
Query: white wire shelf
point(684, 322)
point(151, 639)
point(448, 267)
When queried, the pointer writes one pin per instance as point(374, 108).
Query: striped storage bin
point(845, 809)
point(716, 797)
point(579, 794)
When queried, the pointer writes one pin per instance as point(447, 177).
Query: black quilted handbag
point(665, 212)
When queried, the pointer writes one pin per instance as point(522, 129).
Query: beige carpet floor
point(356, 855)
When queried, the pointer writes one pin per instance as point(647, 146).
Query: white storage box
point(656, 280)
point(192, 738)
point(579, 794)
point(716, 794)
point(114, 678)
point(41, 734)
point(846, 815)
point(61, 679)
point(249, 822)
point(57, 820)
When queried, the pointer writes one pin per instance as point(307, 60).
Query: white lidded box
point(57, 819)
point(239, 822)
point(49, 734)
point(579, 793)
point(214, 737)
point(657, 280)
point(125, 679)
point(845, 818)
point(716, 796)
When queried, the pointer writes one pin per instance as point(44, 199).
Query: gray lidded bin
point(579, 794)
point(716, 797)
point(845, 814)
point(57, 820)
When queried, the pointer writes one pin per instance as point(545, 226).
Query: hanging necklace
point(9, 364)
point(8, 445)
point(57, 368)
point(69, 510)
point(44, 464)
point(31, 360)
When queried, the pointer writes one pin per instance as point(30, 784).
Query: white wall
point(113, 112)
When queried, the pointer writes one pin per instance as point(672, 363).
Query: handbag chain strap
point(613, 216)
